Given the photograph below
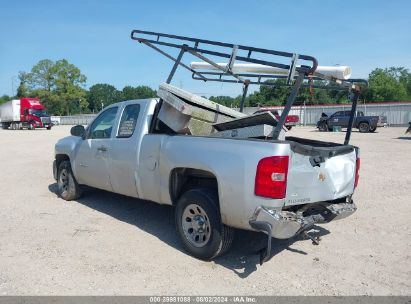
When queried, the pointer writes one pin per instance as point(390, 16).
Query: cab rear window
point(128, 121)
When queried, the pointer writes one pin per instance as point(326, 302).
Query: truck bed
point(318, 171)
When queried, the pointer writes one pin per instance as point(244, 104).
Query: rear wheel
point(372, 129)
point(199, 224)
point(364, 127)
point(288, 127)
point(49, 128)
point(31, 126)
point(68, 188)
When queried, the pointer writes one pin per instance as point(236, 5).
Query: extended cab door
point(344, 119)
point(92, 157)
point(125, 149)
point(336, 119)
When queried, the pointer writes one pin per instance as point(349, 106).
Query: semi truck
point(22, 113)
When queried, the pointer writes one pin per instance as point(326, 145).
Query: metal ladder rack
point(296, 74)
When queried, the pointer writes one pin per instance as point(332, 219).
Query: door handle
point(102, 149)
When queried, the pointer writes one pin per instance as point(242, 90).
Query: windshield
point(38, 113)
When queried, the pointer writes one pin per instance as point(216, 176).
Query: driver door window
point(103, 125)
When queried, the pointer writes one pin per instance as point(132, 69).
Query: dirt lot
point(107, 244)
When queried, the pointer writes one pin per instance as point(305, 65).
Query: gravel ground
point(107, 244)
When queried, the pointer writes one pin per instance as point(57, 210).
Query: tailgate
point(319, 171)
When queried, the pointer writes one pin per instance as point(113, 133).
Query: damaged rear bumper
point(286, 224)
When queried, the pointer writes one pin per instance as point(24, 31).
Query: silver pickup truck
point(216, 184)
point(281, 187)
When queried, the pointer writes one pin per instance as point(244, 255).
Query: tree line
point(61, 87)
point(389, 84)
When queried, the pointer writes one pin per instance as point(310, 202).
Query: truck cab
point(34, 114)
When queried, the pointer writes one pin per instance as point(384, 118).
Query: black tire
point(31, 126)
point(372, 129)
point(323, 127)
point(364, 127)
point(68, 188)
point(289, 127)
point(217, 239)
point(49, 128)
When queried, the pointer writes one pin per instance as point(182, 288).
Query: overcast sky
point(95, 35)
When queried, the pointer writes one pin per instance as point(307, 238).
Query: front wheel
point(323, 127)
point(364, 127)
point(199, 224)
point(68, 188)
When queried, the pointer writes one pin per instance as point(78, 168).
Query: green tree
point(275, 95)
point(385, 84)
point(102, 93)
point(41, 76)
point(58, 84)
point(139, 92)
point(403, 76)
point(22, 90)
point(5, 98)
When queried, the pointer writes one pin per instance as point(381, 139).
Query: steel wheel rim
point(196, 225)
point(363, 127)
point(64, 180)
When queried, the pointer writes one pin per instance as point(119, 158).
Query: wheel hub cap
point(196, 225)
point(63, 181)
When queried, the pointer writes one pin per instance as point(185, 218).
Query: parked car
point(290, 121)
point(341, 118)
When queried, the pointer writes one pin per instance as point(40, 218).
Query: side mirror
point(78, 131)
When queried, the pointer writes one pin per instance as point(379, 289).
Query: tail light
point(357, 172)
point(271, 177)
